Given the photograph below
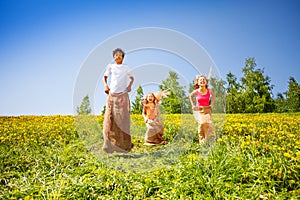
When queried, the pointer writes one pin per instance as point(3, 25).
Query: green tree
point(136, 107)
point(218, 86)
point(280, 103)
point(234, 98)
point(293, 96)
point(84, 107)
point(103, 110)
point(177, 101)
point(191, 89)
point(256, 89)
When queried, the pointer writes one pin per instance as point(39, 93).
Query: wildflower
point(287, 155)
point(245, 176)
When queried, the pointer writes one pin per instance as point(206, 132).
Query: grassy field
point(255, 156)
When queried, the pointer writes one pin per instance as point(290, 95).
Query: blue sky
point(45, 42)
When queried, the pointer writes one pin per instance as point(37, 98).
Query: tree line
point(252, 93)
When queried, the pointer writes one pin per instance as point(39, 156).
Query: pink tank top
point(203, 99)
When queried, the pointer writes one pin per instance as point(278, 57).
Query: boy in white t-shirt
point(119, 73)
point(116, 124)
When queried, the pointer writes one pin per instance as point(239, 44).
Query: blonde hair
point(145, 101)
point(196, 86)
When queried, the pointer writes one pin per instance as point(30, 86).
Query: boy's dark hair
point(119, 50)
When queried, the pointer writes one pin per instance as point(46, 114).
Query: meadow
point(254, 156)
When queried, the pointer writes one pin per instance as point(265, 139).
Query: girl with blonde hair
point(202, 100)
point(151, 113)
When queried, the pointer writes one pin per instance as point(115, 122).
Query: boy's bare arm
point(130, 83)
point(106, 88)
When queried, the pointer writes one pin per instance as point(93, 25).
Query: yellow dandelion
point(287, 155)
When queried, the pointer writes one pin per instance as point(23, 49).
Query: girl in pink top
point(205, 99)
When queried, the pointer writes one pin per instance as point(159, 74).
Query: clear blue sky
point(45, 42)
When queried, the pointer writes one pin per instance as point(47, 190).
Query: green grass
point(59, 157)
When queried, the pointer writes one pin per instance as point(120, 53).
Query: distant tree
point(84, 107)
point(191, 89)
point(256, 89)
point(218, 86)
point(177, 101)
point(103, 111)
point(293, 96)
point(234, 97)
point(136, 107)
point(280, 103)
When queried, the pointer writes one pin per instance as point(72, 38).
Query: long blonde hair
point(157, 97)
point(145, 101)
point(196, 85)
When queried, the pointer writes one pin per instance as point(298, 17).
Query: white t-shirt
point(119, 76)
